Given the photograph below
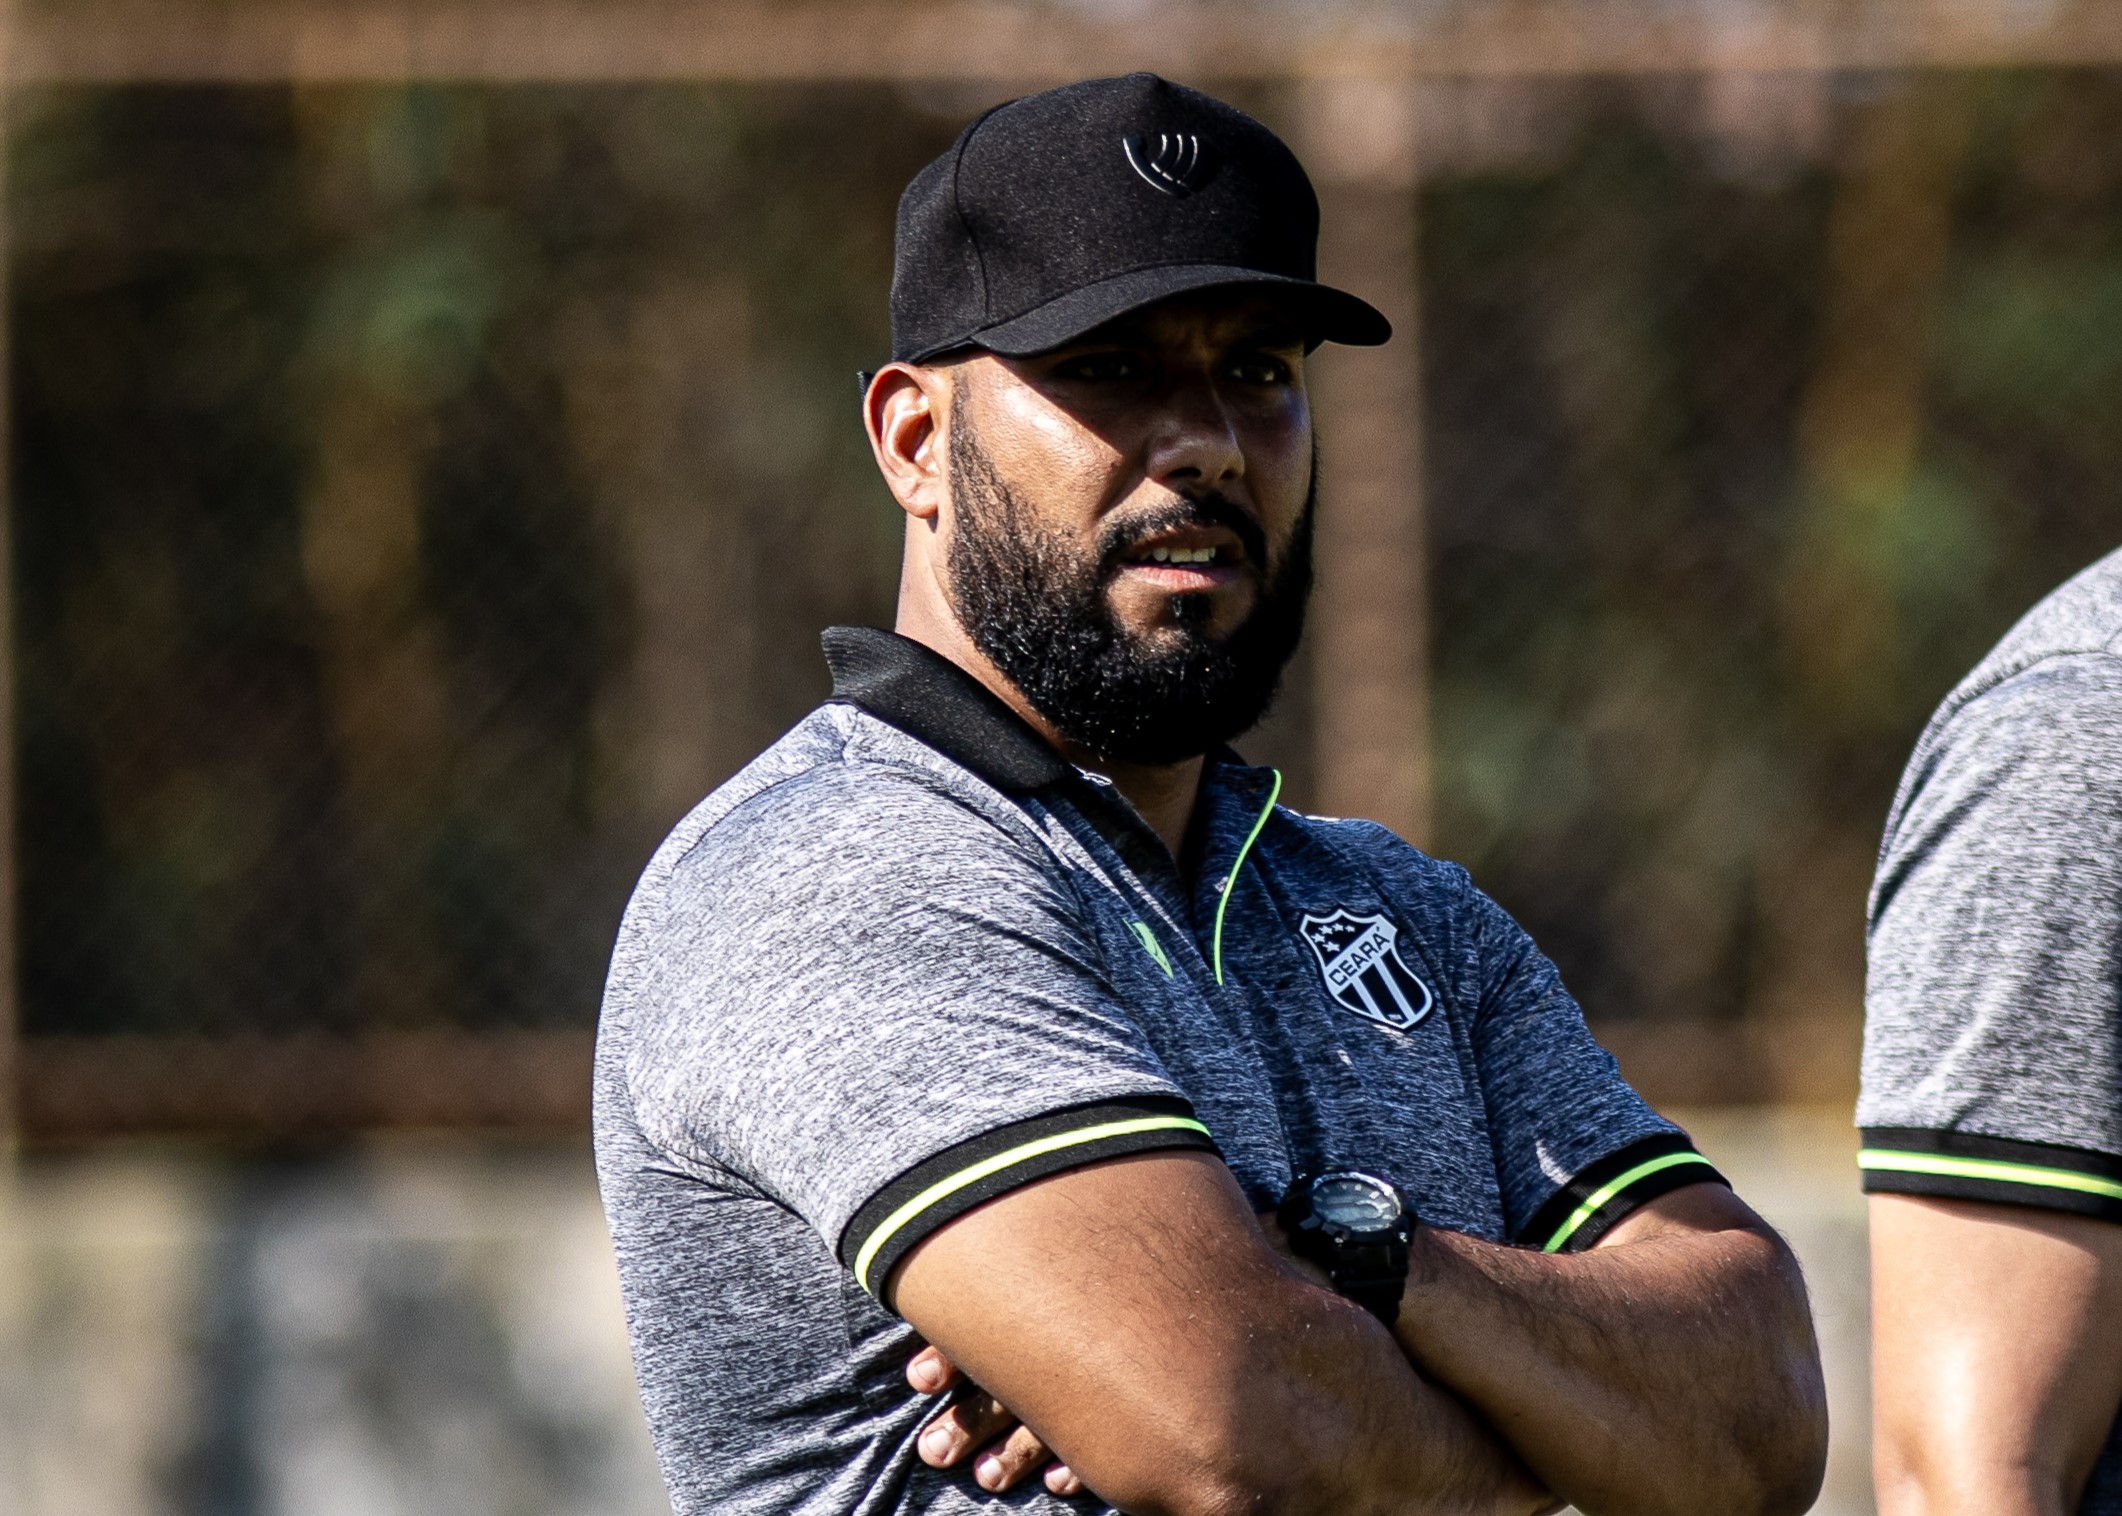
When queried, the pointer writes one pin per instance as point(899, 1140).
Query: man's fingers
point(972, 1419)
point(929, 1371)
point(1062, 1480)
point(1010, 1460)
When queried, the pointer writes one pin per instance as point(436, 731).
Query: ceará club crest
point(1359, 957)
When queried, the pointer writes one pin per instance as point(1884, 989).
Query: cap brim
point(1325, 313)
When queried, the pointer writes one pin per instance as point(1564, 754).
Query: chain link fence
point(422, 495)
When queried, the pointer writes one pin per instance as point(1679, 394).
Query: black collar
point(926, 696)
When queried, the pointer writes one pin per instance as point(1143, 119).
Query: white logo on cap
point(1177, 163)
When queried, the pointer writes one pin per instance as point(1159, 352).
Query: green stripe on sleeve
point(1606, 1192)
point(897, 1220)
point(1890, 1161)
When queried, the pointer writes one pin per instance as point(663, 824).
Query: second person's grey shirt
point(1993, 1002)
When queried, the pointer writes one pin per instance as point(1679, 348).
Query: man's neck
point(1163, 794)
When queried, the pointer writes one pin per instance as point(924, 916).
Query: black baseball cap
point(1053, 214)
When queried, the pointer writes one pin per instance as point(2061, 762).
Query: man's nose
point(1195, 441)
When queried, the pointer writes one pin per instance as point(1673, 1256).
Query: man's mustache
point(1120, 537)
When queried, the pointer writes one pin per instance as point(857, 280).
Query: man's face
point(1131, 532)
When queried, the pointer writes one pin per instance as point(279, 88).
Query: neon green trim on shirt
point(896, 1222)
point(1151, 945)
point(1890, 1161)
point(1231, 881)
point(1606, 1192)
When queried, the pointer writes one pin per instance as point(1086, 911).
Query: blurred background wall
point(432, 454)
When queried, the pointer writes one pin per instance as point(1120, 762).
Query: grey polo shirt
point(1993, 1001)
point(909, 959)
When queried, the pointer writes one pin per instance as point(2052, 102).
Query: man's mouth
point(1186, 559)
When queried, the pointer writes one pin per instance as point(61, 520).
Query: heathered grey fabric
point(858, 953)
point(1993, 1005)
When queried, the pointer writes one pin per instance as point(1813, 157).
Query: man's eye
point(1102, 368)
point(1260, 371)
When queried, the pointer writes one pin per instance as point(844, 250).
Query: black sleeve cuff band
point(1968, 1166)
point(1586, 1208)
point(948, 1185)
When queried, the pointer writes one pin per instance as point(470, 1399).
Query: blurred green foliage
point(419, 494)
point(1695, 591)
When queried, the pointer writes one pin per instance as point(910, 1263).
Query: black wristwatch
point(1357, 1227)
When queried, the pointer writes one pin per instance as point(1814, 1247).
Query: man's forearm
point(1435, 1456)
point(1676, 1373)
point(1329, 1420)
point(1132, 1314)
point(1438, 1454)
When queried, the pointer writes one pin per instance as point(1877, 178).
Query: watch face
point(1354, 1201)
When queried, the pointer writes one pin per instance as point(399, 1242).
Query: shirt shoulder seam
point(925, 780)
point(2106, 655)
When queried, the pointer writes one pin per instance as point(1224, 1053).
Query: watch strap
point(1374, 1277)
point(1379, 1294)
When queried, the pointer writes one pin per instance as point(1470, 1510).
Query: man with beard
point(975, 1028)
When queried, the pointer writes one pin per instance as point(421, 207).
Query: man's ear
point(905, 410)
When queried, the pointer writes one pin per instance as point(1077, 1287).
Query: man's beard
point(1037, 608)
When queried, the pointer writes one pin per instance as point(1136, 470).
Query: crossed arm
point(1143, 1326)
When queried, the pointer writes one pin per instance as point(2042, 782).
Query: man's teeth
point(1182, 555)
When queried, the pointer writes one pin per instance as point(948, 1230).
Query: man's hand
point(1007, 1449)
